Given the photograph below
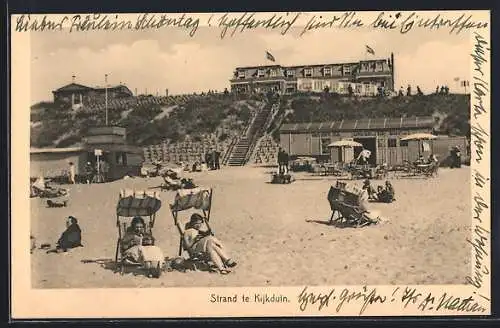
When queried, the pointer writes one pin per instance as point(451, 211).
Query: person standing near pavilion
point(71, 173)
point(280, 160)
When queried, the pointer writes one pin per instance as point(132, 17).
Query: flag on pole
point(270, 57)
point(370, 50)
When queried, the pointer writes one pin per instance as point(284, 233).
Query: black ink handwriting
point(247, 21)
point(478, 136)
point(368, 298)
point(312, 298)
point(478, 244)
point(25, 23)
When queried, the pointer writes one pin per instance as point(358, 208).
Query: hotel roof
point(315, 65)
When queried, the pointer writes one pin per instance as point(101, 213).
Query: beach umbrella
point(419, 136)
point(345, 143)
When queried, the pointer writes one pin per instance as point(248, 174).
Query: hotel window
point(241, 74)
point(308, 72)
point(347, 69)
point(260, 73)
point(273, 73)
point(380, 67)
point(403, 143)
point(393, 142)
point(290, 73)
point(327, 71)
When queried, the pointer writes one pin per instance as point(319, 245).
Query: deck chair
point(200, 200)
point(346, 205)
point(133, 203)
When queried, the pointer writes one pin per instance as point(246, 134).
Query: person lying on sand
point(199, 241)
point(139, 248)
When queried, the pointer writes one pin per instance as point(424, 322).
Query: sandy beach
point(277, 234)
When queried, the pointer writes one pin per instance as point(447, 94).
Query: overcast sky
point(169, 58)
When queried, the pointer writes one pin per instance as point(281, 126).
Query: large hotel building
point(365, 77)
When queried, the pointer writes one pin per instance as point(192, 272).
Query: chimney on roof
point(73, 77)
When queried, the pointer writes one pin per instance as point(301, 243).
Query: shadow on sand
point(335, 224)
point(171, 264)
point(111, 265)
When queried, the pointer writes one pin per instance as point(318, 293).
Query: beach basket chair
point(133, 203)
point(346, 205)
point(197, 200)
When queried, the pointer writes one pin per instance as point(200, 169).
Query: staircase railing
point(258, 132)
point(251, 123)
point(245, 133)
point(227, 155)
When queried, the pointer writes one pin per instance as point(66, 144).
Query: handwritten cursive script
point(457, 25)
point(306, 298)
point(480, 237)
point(367, 297)
point(249, 21)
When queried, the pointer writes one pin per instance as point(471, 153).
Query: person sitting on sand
point(390, 190)
point(372, 194)
point(386, 194)
point(201, 241)
point(71, 237)
point(139, 247)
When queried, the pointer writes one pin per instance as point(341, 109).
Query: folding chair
point(133, 203)
point(345, 201)
point(199, 200)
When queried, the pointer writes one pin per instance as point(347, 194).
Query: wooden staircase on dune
point(241, 151)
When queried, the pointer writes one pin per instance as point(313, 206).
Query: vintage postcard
point(250, 164)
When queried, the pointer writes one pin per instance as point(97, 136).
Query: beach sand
point(277, 234)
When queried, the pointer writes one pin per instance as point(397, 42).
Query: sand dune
point(276, 233)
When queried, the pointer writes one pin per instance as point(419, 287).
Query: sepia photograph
point(258, 150)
